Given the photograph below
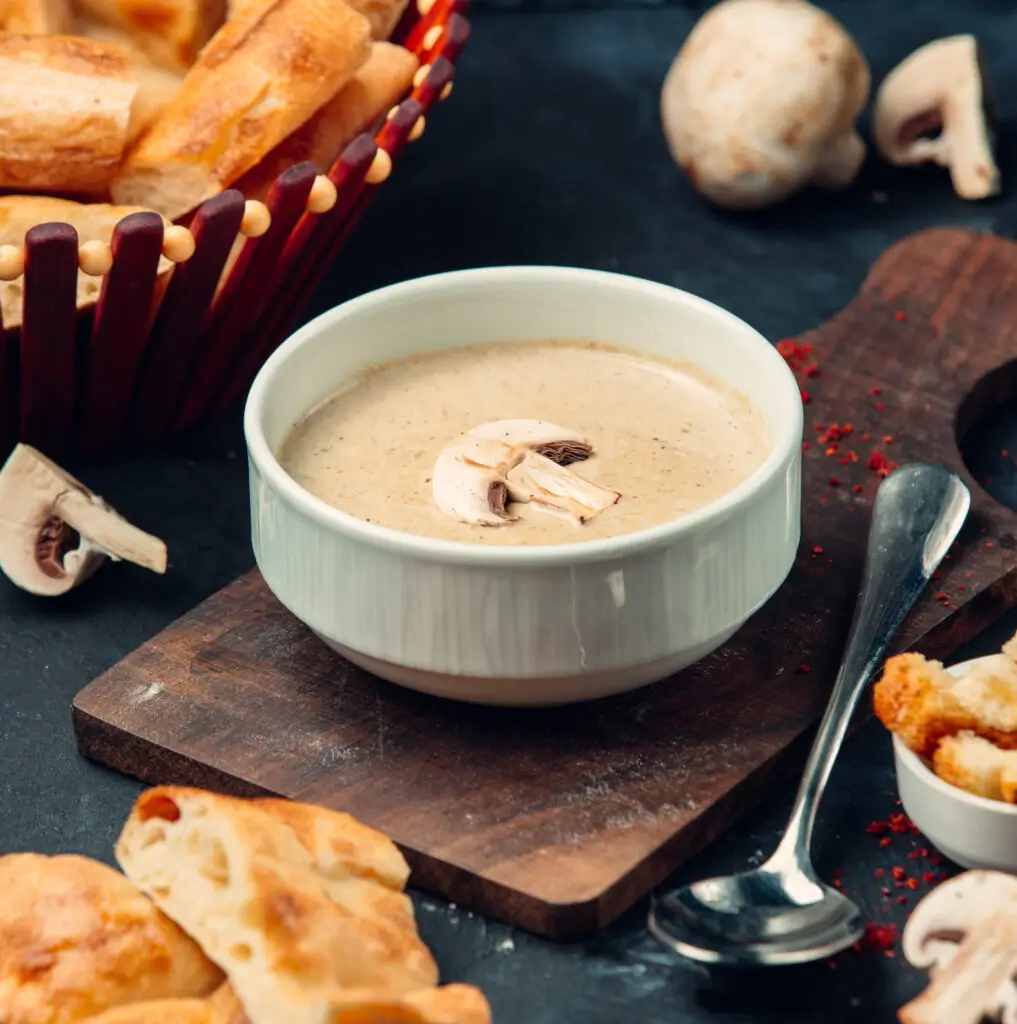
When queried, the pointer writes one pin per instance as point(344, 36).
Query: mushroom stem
point(934, 107)
point(120, 540)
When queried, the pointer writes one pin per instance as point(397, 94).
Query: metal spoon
point(781, 913)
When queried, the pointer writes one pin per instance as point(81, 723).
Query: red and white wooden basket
point(100, 380)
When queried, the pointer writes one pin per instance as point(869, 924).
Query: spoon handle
point(918, 512)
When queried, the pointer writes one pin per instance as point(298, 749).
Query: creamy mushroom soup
point(550, 442)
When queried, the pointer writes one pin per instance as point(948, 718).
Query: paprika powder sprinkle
point(806, 397)
point(900, 316)
point(879, 406)
point(875, 391)
point(858, 488)
point(817, 549)
point(834, 482)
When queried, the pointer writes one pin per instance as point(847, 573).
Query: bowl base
point(533, 692)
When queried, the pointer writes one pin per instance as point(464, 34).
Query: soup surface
point(664, 436)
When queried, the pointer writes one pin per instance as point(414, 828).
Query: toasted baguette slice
point(383, 15)
point(977, 766)
point(65, 110)
point(92, 221)
point(451, 1004)
point(37, 17)
point(76, 939)
point(261, 77)
point(161, 1011)
point(379, 84)
point(296, 903)
point(170, 33)
point(156, 86)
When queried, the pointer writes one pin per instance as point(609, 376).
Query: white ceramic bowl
point(527, 625)
point(971, 830)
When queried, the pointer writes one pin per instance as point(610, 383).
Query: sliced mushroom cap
point(761, 100)
point(522, 460)
point(935, 107)
point(54, 532)
point(941, 920)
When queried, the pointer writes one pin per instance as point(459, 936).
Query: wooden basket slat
point(120, 331)
point(47, 365)
point(236, 316)
point(287, 284)
point(129, 380)
point(177, 333)
point(439, 14)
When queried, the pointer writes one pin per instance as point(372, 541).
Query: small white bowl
point(528, 625)
point(971, 830)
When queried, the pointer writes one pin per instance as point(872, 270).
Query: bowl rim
point(786, 442)
point(917, 766)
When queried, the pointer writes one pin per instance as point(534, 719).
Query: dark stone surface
point(548, 152)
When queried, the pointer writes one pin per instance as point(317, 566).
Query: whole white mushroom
point(762, 99)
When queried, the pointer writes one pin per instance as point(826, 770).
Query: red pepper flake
point(876, 828)
point(900, 316)
point(885, 891)
point(897, 873)
point(899, 821)
point(832, 450)
point(817, 549)
point(879, 936)
point(937, 575)
point(837, 883)
point(879, 406)
point(888, 439)
point(844, 462)
point(935, 859)
point(914, 855)
point(885, 841)
point(806, 446)
point(820, 427)
point(811, 370)
point(960, 586)
point(880, 464)
point(858, 488)
point(989, 544)
point(911, 883)
point(875, 391)
point(942, 597)
point(803, 669)
point(853, 456)
point(879, 872)
point(834, 482)
point(902, 899)
point(806, 397)
point(929, 877)
point(865, 437)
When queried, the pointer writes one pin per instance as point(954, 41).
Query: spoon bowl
point(781, 913)
point(756, 918)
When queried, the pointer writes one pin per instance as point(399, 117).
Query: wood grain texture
point(558, 820)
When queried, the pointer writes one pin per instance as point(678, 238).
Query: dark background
point(549, 151)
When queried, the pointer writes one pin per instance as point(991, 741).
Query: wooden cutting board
point(559, 820)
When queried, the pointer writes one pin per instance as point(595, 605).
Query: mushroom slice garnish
point(471, 476)
point(934, 107)
point(550, 487)
point(54, 532)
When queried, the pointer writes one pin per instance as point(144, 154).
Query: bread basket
point(103, 379)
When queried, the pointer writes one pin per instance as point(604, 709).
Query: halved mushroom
point(965, 933)
point(935, 107)
point(54, 532)
point(762, 99)
point(519, 460)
